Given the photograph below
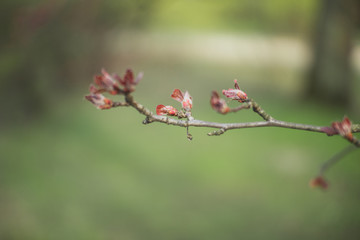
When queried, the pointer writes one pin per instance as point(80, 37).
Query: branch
point(110, 84)
point(150, 117)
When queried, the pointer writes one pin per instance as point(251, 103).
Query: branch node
point(217, 132)
point(181, 114)
point(147, 120)
point(189, 137)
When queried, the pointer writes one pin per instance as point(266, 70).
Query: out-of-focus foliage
point(271, 16)
point(49, 46)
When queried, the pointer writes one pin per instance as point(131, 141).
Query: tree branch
point(110, 84)
point(270, 121)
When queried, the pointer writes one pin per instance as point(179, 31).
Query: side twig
point(336, 158)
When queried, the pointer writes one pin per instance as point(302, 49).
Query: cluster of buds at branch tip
point(112, 85)
point(218, 104)
point(98, 99)
point(320, 182)
point(342, 128)
point(236, 94)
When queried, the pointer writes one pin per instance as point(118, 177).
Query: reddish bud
point(184, 98)
point(107, 83)
point(187, 102)
point(343, 128)
point(218, 104)
point(99, 101)
point(177, 95)
point(235, 94)
point(166, 110)
point(128, 81)
point(319, 182)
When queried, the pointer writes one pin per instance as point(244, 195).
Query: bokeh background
point(70, 171)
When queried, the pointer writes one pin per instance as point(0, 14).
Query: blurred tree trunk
point(330, 77)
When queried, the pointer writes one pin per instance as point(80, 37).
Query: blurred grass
point(79, 173)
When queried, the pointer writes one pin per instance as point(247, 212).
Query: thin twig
point(243, 106)
point(336, 158)
point(119, 104)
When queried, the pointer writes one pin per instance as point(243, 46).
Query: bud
point(320, 182)
point(128, 81)
point(99, 101)
point(236, 94)
point(343, 128)
point(218, 104)
point(166, 110)
point(106, 83)
point(185, 99)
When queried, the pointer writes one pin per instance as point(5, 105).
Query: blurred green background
point(70, 171)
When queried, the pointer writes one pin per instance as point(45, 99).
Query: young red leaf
point(184, 98)
point(218, 104)
point(235, 94)
point(177, 95)
point(106, 83)
point(343, 128)
point(166, 110)
point(128, 81)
